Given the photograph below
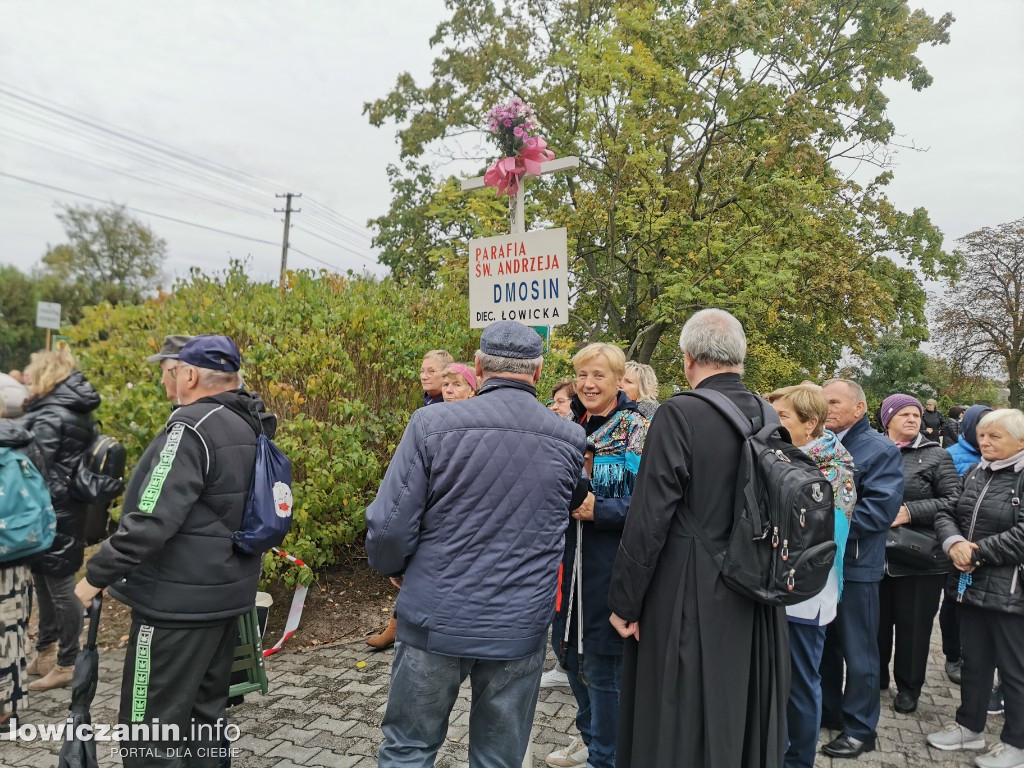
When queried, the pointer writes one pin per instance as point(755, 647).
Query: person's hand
point(903, 518)
point(397, 581)
point(585, 511)
point(625, 628)
point(962, 555)
point(928, 430)
point(85, 592)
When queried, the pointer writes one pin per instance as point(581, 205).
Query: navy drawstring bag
point(268, 510)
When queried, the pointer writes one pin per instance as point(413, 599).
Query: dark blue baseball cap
point(216, 353)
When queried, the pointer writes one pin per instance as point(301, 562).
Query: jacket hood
point(969, 425)
point(622, 404)
point(74, 393)
point(13, 435)
point(250, 407)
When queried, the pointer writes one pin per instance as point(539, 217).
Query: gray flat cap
point(169, 351)
point(507, 338)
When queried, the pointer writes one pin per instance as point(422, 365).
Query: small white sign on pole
point(48, 315)
point(522, 277)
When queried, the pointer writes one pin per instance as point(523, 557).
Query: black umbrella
point(82, 753)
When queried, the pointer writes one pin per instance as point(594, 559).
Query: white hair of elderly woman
point(1010, 419)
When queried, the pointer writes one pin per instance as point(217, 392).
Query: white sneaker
point(556, 677)
point(1001, 756)
point(569, 757)
point(955, 736)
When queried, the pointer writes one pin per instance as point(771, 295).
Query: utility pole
point(287, 211)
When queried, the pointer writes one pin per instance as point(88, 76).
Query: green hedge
point(336, 358)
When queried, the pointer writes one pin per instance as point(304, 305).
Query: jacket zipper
point(977, 506)
point(1013, 581)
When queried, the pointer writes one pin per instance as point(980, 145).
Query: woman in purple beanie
point(909, 594)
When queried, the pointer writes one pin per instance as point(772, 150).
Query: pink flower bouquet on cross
point(512, 125)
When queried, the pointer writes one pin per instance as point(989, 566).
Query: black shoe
point(905, 703)
point(847, 746)
point(953, 670)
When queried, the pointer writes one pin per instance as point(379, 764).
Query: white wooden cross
point(517, 204)
point(516, 207)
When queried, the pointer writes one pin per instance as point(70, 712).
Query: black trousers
point(178, 675)
point(949, 623)
point(907, 607)
point(991, 639)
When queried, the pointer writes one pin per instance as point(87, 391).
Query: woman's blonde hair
point(646, 381)
point(616, 357)
point(48, 369)
point(1010, 419)
point(807, 401)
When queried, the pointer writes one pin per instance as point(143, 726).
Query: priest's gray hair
point(496, 364)
point(714, 337)
point(855, 390)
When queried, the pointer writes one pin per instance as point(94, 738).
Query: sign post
point(527, 245)
point(48, 317)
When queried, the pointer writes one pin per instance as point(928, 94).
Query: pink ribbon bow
point(505, 173)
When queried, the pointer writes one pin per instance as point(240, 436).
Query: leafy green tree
point(981, 318)
point(715, 139)
point(110, 256)
point(894, 364)
point(19, 336)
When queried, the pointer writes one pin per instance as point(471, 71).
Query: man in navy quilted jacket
point(470, 520)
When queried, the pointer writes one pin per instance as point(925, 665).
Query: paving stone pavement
point(324, 711)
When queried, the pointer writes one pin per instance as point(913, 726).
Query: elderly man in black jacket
point(172, 558)
point(706, 683)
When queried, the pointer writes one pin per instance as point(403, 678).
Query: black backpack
point(98, 481)
point(782, 544)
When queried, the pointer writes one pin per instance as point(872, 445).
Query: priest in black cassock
point(705, 676)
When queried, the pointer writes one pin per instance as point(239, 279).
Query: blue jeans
point(803, 712)
point(597, 699)
point(424, 687)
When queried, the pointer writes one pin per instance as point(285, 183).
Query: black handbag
point(99, 477)
point(911, 551)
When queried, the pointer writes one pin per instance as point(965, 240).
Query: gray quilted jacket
point(473, 510)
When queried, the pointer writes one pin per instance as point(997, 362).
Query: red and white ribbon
point(295, 612)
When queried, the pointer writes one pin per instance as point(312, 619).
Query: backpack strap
point(746, 478)
point(727, 408)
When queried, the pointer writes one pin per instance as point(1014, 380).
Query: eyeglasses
point(561, 400)
point(428, 371)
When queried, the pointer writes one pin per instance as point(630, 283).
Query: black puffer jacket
point(62, 426)
point(930, 484)
point(985, 514)
point(931, 420)
point(172, 557)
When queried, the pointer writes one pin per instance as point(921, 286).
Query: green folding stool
point(249, 657)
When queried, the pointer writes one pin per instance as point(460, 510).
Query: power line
point(327, 264)
point(136, 138)
point(194, 173)
point(338, 245)
point(125, 172)
point(137, 210)
point(150, 145)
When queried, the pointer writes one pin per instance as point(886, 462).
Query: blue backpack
point(27, 520)
point(268, 510)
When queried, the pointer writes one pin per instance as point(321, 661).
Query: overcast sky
point(275, 91)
